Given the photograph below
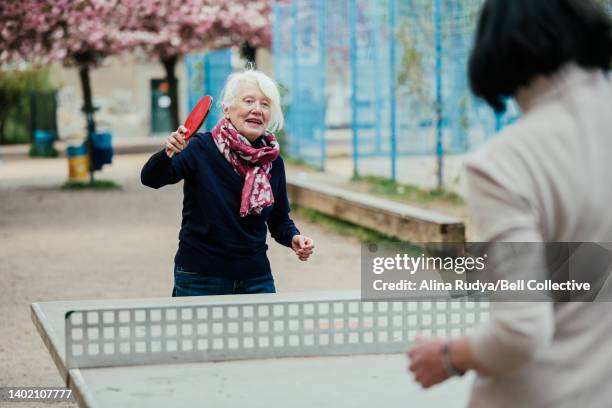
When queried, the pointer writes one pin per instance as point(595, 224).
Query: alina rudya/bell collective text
point(481, 286)
point(404, 263)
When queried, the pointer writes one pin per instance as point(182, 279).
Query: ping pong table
point(299, 350)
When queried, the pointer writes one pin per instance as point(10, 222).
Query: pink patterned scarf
point(254, 164)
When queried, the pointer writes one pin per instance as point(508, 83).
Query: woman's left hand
point(302, 246)
point(426, 362)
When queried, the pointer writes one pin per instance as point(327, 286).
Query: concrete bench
point(388, 217)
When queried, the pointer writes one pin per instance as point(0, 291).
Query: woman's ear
point(226, 112)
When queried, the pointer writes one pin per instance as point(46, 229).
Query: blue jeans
point(195, 284)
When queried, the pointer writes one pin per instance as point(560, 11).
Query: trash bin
point(102, 149)
point(43, 123)
point(78, 162)
point(43, 144)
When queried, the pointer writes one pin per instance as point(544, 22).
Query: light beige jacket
point(547, 178)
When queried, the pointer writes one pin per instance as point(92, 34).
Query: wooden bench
point(388, 217)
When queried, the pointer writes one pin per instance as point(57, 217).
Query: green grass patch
point(86, 185)
point(343, 227)
point(388, 187)
point(300, 162)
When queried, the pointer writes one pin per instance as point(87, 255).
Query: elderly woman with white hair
point(234, 186)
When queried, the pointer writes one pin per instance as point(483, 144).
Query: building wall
point(121, 89)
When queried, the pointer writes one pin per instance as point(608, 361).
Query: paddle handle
point(185, 138)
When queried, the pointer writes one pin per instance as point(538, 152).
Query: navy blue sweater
point(214, 240)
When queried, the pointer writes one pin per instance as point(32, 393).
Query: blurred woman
point(544, 179)
point(234, 191)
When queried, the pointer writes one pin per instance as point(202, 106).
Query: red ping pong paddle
point(197, 117)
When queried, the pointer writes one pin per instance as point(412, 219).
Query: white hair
point(268, 88)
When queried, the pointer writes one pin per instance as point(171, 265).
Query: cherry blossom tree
point(251, 26)
point(180, 27)
point(81, 33)
point(184, 26)
point(78, 33)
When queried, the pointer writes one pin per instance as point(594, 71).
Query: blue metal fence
point(206, 75)
point(194, 66)
point(299, 47)
point(372, 93)
point(217, 67)
point(393, 72)
point(424, 49)
point(407, 64)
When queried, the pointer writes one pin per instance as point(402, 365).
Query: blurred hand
point(302, 246)
point(176, 142)
point(426, 362)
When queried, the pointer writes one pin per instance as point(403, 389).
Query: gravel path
point(57, 245)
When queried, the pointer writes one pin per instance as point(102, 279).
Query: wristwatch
point(446, 362)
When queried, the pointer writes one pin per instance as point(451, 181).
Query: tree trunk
point(88, 109)
point(170, 65)
point(3, 116)
point(248, 53)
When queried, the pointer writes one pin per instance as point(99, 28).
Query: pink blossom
point(83, 32)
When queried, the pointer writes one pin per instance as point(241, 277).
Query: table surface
point(327, 381)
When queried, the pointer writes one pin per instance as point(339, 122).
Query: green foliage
point(342, 227)
point(411, 73)
point(14, 123)
point(43, 150)
point(281, 135)
point(14, 82)
point(464, 120)
point(96, 185)
point(15, 89)
point(385, 186)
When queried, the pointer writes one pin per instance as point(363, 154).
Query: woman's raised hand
point(176, 141)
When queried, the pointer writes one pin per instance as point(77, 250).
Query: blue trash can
point(43, 144)
point(102, 149)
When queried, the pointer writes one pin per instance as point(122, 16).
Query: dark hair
point(519, 39)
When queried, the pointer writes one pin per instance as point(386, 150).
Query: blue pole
point(322, 71)
point(392, 87)
point(378, 72)
point(295, 111)
point(189, 69)
point(439, 146)
point(354, 73)
point(457, 116)
point(276, 41)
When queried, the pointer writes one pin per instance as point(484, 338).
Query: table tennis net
point(218, 331)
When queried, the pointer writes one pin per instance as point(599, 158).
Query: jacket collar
point(548, 87)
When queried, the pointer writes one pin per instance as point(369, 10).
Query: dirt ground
point(58, 245)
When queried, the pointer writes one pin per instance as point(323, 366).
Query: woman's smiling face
point(250, 111)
